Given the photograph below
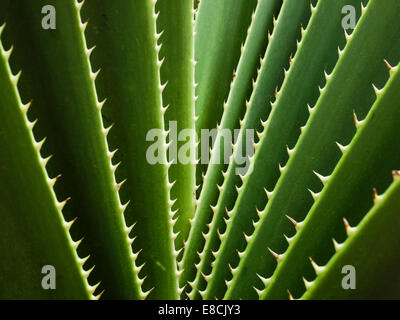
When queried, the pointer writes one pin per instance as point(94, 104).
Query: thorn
point(68, 226)
point(46, 160)
point(100, 104)
point(388, 66)
point(302, 30)
point(124, 206)
point(276, 256)
point(170, 184)
point(129, 229)
point(107, 130)
point(82, 261)
point(53, 181)
point(119, 185)
point(363, 8)
point(347, 35)
point(259, 292)
point(229, 213)
point(268, 193)
point(327, 76)
point(180, 290)
point(8, 53)
point(25, 107)
point(340, 51)
point(79, 4)
point(158, 35)
point(341, 147)
point(357, 122)
point(265, 281)
point(95, 74)
point(146, 293)
point(99, 295)
point(318, 270)
point(115, 167)
point(135, 255)
point(232, 269)
point(289, 151)
point(62, 204)
point(307, 283)
point(164, 109)
point(322, 178)
point(349, 230)
point(76, 244)
point(206, 278)
point(295, 223)
point(89, 51)
point(15, 78)
point(337, 245)
point(162, 87)
point(2, 28)
point(238, 189)
point(377, 91)
point(288, 239)
point(39, 144)
point(88, 272)
point(240, 254)
point(160, 62)
point(314, 194)
point(377, 197)
point(259, 212)
point(84, 25)
point(111, 154)
point(246, 237)
point(220, 235)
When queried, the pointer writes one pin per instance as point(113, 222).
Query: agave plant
point(312, 212)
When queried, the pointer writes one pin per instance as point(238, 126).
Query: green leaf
point(330, 121)
point(253, 48)
point(217, 55)
point(282, 44)
point(178, 70)
point(317, 52)
point(127, 50)
point(59, 78)
point(33, 231)
point(372, 249)
point(366, 163)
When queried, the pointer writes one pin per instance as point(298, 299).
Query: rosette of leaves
point(90, 89)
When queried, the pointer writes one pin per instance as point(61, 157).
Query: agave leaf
point(366, 163)
point(330, 121)
point(60, 80)
point(133, 88)
point(372, 249)
point(178, 70)
point(217, 55)
point(316, 53)
point(33, 231)
point(282, 44)
point(253, 48)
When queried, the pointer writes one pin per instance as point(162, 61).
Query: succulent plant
point(310, 211)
